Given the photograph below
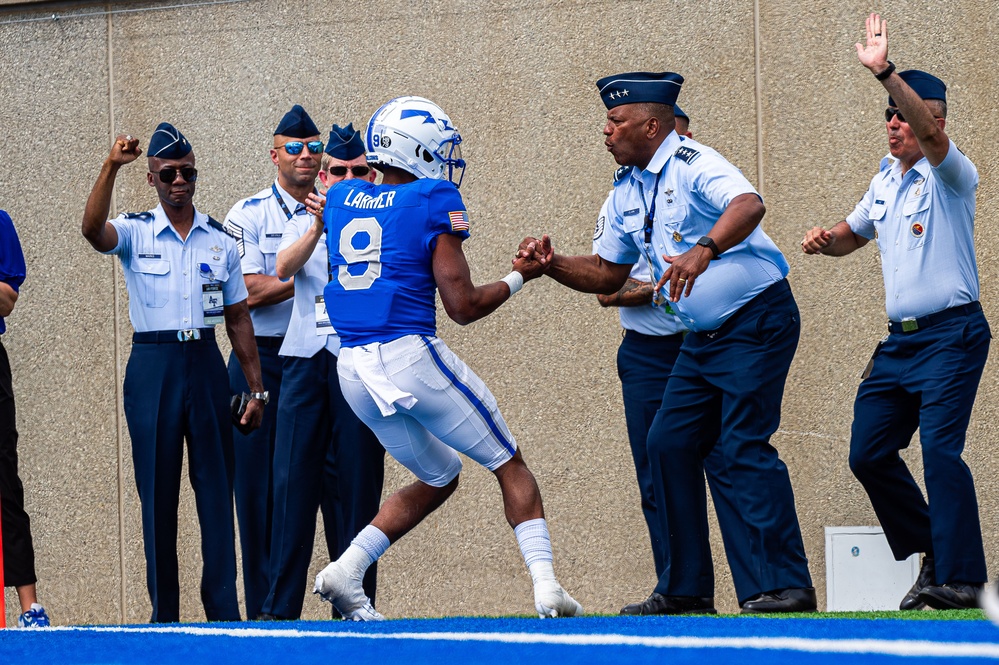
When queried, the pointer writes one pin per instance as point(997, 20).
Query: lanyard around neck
point(281, 202)
point(650, 211)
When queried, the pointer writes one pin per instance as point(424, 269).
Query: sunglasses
point(295, 147)
point(169, 174)
point(358, 171)
point(891, 112)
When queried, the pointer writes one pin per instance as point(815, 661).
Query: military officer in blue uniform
point(256, 223)
point(920, 210)
point(324, 455)
point(183, 278)
point(650, 344)
point(695, 219)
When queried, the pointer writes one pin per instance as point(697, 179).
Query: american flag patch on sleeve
point(459, 220)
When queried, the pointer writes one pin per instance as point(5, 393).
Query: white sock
point(536, 546)
point(366, 548)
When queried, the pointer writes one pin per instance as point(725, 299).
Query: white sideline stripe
point(909, 648)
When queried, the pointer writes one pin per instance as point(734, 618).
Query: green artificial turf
point(924, 615)
point(946, 615)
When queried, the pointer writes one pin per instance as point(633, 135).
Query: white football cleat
point(551, 600)
point(334, 585)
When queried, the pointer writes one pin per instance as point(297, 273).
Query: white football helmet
point(414, 134)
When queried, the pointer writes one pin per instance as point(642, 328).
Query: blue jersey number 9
point(360, 242)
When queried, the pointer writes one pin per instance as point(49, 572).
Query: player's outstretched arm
point(589, 274)
point(463, 301)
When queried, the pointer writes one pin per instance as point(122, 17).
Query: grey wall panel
point(61, 335)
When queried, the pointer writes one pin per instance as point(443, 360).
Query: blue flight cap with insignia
point(168, 143)
point(638, 87)
point(345, 143)
point(297, 124)
point(678, 112)
point(927, 86)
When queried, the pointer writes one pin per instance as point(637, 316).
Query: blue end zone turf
point(676, 640)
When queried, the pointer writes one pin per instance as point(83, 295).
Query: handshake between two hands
point(533, 257)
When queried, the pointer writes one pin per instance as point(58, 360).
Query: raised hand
point(315, 204)
point(874, 55)
point(125, 150)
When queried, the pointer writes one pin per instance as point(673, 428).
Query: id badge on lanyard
point(323, 325)
point(658, 297)
point(211, 297)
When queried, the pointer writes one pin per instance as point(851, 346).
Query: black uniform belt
point(643, 337)
point(168, 336)
point(921, 322)
point(269, 342)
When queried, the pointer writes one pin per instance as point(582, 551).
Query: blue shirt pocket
point(152, 278)
point(915, 216)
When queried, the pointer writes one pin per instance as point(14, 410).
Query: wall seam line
point(117, 339)
point(759, 98)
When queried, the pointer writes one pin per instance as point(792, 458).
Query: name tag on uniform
point(273, 235)
point(323, 325)
point(211, 301)
point(150, 256)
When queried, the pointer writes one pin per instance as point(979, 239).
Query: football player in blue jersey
point(391, 246)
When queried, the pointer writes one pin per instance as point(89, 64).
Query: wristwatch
point(706, 241)
point(264, 396)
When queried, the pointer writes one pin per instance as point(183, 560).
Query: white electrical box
point(861, 572)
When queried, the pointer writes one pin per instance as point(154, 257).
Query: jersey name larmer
point(381, 240)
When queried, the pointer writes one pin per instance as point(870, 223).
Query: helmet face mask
point(415, 135)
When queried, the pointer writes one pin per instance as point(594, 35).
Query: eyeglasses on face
point(358, 171)
point(295, 147)
point(891, 112)
point(169, 174)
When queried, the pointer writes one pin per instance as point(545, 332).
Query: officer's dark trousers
point(18, 553)
point(644, 363)
point(314, 418)
point(252, 483)
point(726, 387)
point(172, 392)
point(926, 379)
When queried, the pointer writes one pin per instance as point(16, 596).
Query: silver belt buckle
point(188, 335)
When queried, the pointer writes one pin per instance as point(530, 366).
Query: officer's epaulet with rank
point(215, 225)
point(685, 154)
point(621, 174)
point(144, 216)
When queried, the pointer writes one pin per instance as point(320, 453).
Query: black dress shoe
point(956, 596)
point(926, 578)
point(781, 600)
point(264, 616)
point(660, 604)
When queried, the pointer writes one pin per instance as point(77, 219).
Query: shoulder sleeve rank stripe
point(685, 154)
